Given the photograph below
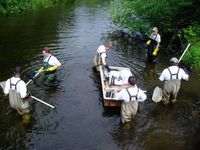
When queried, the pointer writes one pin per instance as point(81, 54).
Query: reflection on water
point(80, 121)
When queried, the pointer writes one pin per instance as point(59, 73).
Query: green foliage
point(192, 33)
point(192, 57)
point(13, 6)
point(16, 6)
point(175, 18)
point(43, 3)
point(168, 15)
point(124, 16)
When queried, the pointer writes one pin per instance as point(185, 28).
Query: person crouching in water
point(130, 97)
point(17, 90)
point(100, 57)
point(171, 77)
point(50, 65)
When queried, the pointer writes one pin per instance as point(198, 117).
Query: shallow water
point(80, 121)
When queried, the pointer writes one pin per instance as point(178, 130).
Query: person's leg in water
point(49, 79)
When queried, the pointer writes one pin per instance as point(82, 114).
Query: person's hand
point(51, 68)
point(41, 70)
point(148, 42)
point(28, 96)
point(155, 51)
point(47, 70)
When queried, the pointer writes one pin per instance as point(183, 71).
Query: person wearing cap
point(172, 77)
point(153, 44)
point(50, 65)
point(100, 57)
point(17, 91)
point(130, 97)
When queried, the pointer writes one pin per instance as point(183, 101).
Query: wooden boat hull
point(112, 103)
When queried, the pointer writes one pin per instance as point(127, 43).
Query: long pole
point(39, 100)
point(184, 53)
point(33, 78)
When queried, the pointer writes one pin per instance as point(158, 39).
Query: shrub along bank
point(178, 22)
point(16, 6)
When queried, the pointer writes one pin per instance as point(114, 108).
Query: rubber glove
point(148, 42)
point(155, 51)
point(52, 68)
point(41, 69)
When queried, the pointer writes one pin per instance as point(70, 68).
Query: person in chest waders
point(18, 96)
point(130, 98)
point(100, 57)
point(153, 45)
point(171, 77)
point(50, 65)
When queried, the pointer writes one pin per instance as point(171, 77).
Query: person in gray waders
point(172, 77)
point(17, 91)
point(130, 97)
point(100, 57)
point(50, 65)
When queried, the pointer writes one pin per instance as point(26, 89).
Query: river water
point(73, 33)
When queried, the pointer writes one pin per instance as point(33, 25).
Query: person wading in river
point(171, 77)
point(153, 44)
point(130, 97)
point(50, 65)
point(100, 57)
point(17, 90)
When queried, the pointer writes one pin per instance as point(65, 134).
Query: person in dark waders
point(18, 96)
point(50, 65)
point(153, 45)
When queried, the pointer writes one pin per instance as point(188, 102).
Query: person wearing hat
point(50, 65)
point(130, 97)
point(100, 57)
point(17, 91)
point(172, 77)
point(153, 44)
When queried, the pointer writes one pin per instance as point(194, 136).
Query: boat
point(109, 90)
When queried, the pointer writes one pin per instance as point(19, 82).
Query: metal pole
point(39, 100)
point(32, 79)
point(184, 53)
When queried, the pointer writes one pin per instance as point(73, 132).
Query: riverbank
point(15, 6)
point(140, 17)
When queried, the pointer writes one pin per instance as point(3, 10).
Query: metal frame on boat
point(108, 99)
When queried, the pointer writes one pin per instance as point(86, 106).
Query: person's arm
point(141, 96)
point(22, 89)
point(7, 87)
point(162, 77)
point(158, 40)
point(184, 76)
point(103, 59)
point(56, 64)
point(121, 95)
